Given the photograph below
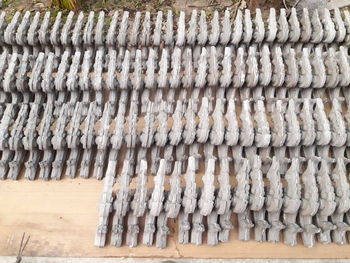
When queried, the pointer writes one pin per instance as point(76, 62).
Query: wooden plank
point(61, 218)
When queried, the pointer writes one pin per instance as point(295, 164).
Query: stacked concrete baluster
point(241, 115)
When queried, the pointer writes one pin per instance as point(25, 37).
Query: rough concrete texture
point(313, 4)
point(337, 3)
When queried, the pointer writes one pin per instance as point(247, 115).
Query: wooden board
point(61, 218)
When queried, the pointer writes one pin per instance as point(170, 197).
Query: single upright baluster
point(173, 203)
point(259, 27)
point(309, 205)
point(265, 74)
point(88, 138)
point(84, 78)
point(331, 68)
point(96, 78)
point(59, 142)
point(155, 203)
point(200, 78)
point(148, 131)
point(15, 142)
point(181, 30)
point(65, 34)
point(323, 129)
point(215, 29)
point(22, 80)
point(77, 34)
point(44, 36)
point(257, 200)
point(131, 132)
point(294, 26)
point(283, 28)
point(132, 231)
point(223, 199)
point(72, 79)
point(344, 66)
point(189, 200)
point(217, 133)
point(187, 80)
point(278, 129)
point(206, 200)
point(73, 139)
point(55, 34)
point(36, 78)
point(339, 26)
point(274, 201)
point(262, 130)
point(232, 129)
point(306, 28)
point(99, 37)
point(189, 132)
point(202, 36)
point(239, 74)
point(197, 228)
point(317, 29)
point(293, 127)
point(60, 80)
point(237, 33)
point(175, 134)
point(161, 135)
point(305, 73)
point(241, 199)
point(308, 131)
point(48, 81)
point(44, 142)
point(184, 228)
point(272, 26)
point(121, 202)
point(327, 203)
point(162, 230)
point(102, 141)
point(342, 195)
point(175, 78)
point(247, 130)
point(225, 34)
point(149, 229)
point(191, 35)
point(30, 142)
point(227, 72)
point(112, 31)
point(169, 33)
point(88, 32)
point(328, 26)
point(292, 202)
point(337, 124)
point(213, 229)
point(319, 70)
point(33, 34)
point(157, 33)
point(10, 31)
point(140, 198)
point(5, 123)
point(203, 128)
point(8, 82)
point(105, 208)
point(279, 75)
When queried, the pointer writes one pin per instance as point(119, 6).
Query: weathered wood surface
point(61, 216)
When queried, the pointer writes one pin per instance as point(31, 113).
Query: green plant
point(66, 4)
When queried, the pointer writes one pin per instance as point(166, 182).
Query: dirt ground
point(11, 6)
